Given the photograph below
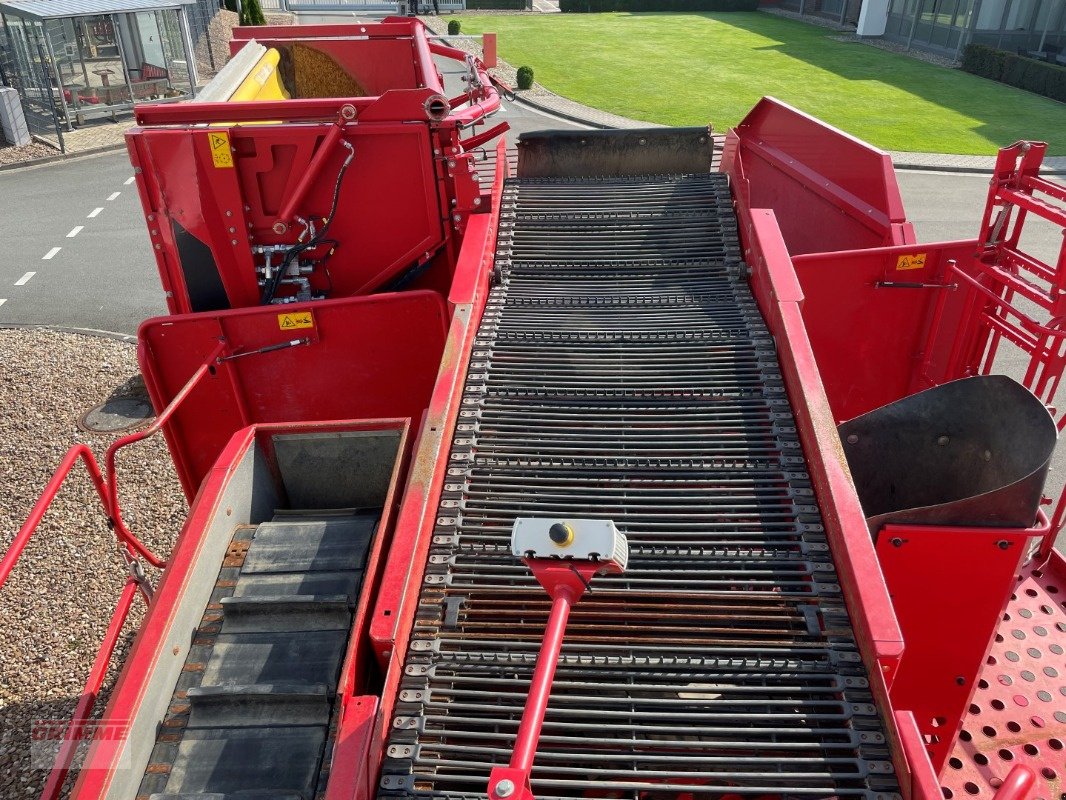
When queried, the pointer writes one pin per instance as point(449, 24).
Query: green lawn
point(687, 69)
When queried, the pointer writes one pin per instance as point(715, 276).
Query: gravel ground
point(58, 601)
point(15, 155)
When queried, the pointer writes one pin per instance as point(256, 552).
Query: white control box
point(581, 539)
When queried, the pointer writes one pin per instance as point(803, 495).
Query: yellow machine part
point(263, 81)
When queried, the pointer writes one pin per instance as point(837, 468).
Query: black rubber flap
point(643, 151)
point(971, 452)
point(248, 761)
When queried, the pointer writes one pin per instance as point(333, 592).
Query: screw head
point(853, 438)
point(505, 788)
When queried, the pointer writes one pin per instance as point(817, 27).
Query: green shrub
point(251, 13)
point(454, 26)
point(231, 5)
point(592, 6)
point(1038, 77)
point(503, 5)
point(988, 62)
point(525, 77)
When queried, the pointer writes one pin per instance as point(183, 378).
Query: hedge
point(502, 5)
point(1038, 77)
point(592, 6)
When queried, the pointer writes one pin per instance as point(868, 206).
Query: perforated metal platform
point(622, 371)
point(1018, 713)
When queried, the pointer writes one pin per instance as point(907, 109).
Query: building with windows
point(1034, 27)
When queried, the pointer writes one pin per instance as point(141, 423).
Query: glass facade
point(946, 26)
point(75, 69)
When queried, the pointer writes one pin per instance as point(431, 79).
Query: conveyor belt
point(622, 371)
point(252, 710)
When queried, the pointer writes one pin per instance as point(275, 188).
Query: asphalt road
point(104, 276)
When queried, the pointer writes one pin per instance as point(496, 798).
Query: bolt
point(232, 229)
point(853, 438)
point(233, 241)
point(897, 542)
point(1002, 544)
point(943, 440)
point(961, 681)
point(229, 213)
point(158, 246)
point(987, 455)
point(151, 217)
point(504, 788)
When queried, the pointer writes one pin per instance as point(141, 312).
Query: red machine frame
point(955, 304)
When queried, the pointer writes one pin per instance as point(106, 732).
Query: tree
point(252, 13)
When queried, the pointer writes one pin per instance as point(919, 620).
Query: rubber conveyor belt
point(622, 371)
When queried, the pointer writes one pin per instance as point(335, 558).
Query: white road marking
point(94, 212)
point(3, 300)
point(25, 279)
point(51, 254)
point(130, 180)
point(75, 231)
point(113, 196)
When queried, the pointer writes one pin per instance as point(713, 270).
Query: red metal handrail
point(22, 538)
point(109, 459)
point(107, 492)
point(75, 730)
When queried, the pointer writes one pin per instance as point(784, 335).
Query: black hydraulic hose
point(271, 289)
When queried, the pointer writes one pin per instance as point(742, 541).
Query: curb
point(37, 162)
point(1045, 171)
point(562, 114)
point(125, 338)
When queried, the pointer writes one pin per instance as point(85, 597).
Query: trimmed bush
point(1038, 77)
point(988, 62)
point(593, 6)
point(454, 26)
point(525, 77)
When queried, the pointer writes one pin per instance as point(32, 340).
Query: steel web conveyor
point(622, 371)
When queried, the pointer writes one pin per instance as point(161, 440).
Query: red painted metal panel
point(830, 191)
point(948, 619)
point(352, 773)
point(868, 316)
point(366, 357)
point(220, 206)
point(877, 630)
point(917, 779)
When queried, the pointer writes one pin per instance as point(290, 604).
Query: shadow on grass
point(1000, 112)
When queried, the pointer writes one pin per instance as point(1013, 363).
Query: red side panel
point(366, 357)
point(868, 314)
point(829, 190)
point(204, 218)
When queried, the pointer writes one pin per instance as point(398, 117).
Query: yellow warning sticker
point(917, 261)
point(221, 155)
point(300, 319)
